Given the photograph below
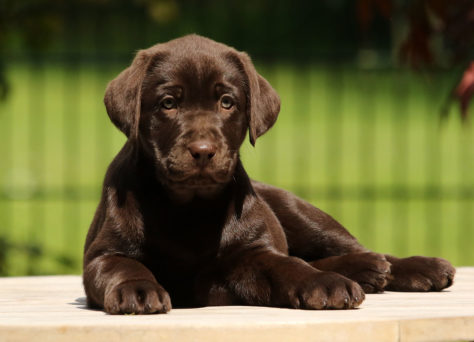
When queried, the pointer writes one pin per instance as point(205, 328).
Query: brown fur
point(180, 221)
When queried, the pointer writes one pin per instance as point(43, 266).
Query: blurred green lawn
point(366, 146)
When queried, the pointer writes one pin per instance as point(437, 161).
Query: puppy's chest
point(182, 241)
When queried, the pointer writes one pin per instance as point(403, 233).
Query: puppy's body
point(180, 221)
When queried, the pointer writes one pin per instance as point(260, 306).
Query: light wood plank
point(53, 309)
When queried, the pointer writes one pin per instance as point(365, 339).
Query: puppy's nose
point(202, 151)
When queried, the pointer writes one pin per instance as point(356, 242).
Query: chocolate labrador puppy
point(180, 221)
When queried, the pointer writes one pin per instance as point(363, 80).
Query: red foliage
point(452, 20)
point(366, 11)
point(465, 90)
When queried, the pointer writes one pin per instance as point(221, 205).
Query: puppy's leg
point(311, 233)
point(266, 278)
point(122, 285)
point(315, 236)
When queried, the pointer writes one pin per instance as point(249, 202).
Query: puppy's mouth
point(198, 178)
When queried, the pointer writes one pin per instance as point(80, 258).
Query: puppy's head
point(188, 104)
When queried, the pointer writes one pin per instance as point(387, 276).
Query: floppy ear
point(263, 102)
point(123, 94)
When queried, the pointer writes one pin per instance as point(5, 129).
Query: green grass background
point(367, 146)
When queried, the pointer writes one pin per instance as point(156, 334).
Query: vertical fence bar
point(399, 163)
point(6, 205)
point(304, 135)
point(26, 198)
point(433, 194)
point(335, 122)
point(267, 161)
point(71, 106)
point(465, 207)
point(366, 116)
point(36, 160)
point(106, 64)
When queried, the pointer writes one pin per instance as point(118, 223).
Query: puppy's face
point(188, 104)
point(193, 119)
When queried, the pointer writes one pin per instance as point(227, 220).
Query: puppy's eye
point(227, 102)
point(168, 103)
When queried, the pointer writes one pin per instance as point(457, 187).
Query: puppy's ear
point(123, 94)
point(263, 102)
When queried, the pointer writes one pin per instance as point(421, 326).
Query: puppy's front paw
point(421, 274)
point(328, 290)
point(370, 270)
point(137, 297)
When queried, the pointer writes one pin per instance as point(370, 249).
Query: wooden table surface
point(53, 309)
